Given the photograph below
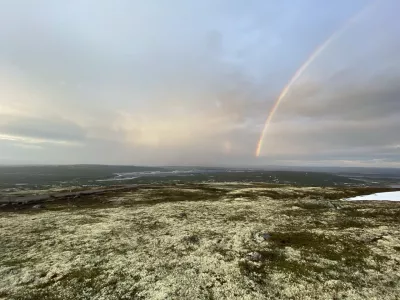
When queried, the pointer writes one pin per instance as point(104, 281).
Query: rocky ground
point(203, 241)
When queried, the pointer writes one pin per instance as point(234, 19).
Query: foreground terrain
point(203, 241)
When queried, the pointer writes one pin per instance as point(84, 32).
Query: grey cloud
point(46, 129)
point(155, 83)
point(316, 135)
point(372, 100)
point(341, 113)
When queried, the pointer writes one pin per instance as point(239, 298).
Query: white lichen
point(196, 250)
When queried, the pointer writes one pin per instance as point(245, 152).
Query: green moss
point(165, 195)
point(346, 222)
point(378, 213)
point(314, 205)
point(88, 220)
point(240, 216)
point(15, 262)
point(348, 257)
point(245, 194)
point(329, 247)
point(227, 254)
point(192, 239)
point(276, 195)
point(76, 285)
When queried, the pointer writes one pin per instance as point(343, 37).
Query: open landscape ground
point(203, 241)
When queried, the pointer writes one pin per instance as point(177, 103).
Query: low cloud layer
point(192, 83)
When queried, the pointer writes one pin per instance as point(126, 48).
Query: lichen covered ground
point(203, 241)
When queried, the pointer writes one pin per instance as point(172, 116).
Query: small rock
point(261, 237)
point(338, 207)
point(376, 239)
point(38, 206)
point(42, 274)
point(265, 236)
point(332, 206)
point(254, 256)
point(183, 215)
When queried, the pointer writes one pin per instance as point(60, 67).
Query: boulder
point(254, 256)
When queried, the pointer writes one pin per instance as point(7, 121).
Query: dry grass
point(203, 242)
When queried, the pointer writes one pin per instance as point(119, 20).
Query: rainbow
point(300, 71)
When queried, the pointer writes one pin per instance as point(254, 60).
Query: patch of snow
point(388, 196)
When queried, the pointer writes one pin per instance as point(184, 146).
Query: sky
point(192, 82)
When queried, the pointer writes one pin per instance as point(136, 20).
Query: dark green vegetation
point(70, 175)
point(159, 193)
point(37, 179)
point(347, 256)
point(280, 177)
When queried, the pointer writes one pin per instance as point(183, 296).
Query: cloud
point(346, 106)
point(38, 130)
point(192, 83)
point(376, 97)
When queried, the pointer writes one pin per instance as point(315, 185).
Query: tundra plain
point(203, 241)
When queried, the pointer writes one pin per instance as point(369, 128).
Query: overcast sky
point(192, 82)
